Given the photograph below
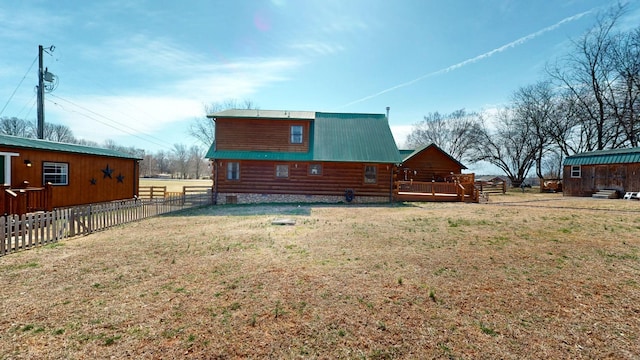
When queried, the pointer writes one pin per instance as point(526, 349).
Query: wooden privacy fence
point(21, 232)
point(488, 187)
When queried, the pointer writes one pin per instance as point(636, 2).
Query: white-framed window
point(296, 134)
point(282, 171)
point(315, 169)
point(55, 173)
point(233, 171)
point(370, 174)
point(576, 171)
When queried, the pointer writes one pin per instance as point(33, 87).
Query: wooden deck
point(435, 191)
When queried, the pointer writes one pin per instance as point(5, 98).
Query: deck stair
point(606, 194)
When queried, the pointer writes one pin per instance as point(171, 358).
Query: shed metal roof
point(613, 156)
point(27, 143)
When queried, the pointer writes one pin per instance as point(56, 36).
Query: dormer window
point(296, 134)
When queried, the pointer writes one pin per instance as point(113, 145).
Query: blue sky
point(139, 72)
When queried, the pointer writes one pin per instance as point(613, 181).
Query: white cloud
point(400, 133)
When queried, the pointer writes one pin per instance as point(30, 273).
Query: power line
point(17, 87)
point(134, 134)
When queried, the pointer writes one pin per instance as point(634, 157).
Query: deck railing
point(431, 191)
point(19, 201)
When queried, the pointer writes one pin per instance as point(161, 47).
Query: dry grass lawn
point(523, 276)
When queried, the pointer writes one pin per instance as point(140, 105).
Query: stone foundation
point(242, 198)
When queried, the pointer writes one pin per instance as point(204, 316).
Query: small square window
point(296, 134)
point(576, 171)
point(282, 171)
point(315, 169)
point(233, 171)
point(370, 174)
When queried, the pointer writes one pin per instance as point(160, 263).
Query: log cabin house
point(41, 175)
point(301, 156)
point(306, 156)
point(586, 173)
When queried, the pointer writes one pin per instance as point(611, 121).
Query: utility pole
point(40, 95)
point(41, 78)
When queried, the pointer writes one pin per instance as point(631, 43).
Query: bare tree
point(181, 159)
point(624, 91)
point(15, 126)
point(507, 145)
point(203, 129)
point(163, 163)
point(535, 106)
point(196, 157)
point(58, 133)
point(587, 74)
point(454, 133)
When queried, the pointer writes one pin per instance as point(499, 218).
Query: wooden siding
point(82, 169)
point(621, 177)
point(428, 165)
point(260, 177)
point(260, 135)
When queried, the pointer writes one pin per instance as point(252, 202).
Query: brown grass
point(524, 276)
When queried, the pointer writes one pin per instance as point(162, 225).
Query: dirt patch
point(428, 280)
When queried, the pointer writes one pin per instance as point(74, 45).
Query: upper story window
point(55, 173)
point(233, 171)
point(296, 134)
point(576, 171)
point(370, 174)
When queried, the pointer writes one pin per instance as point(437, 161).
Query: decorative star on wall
point(120, 178)
point(107, 172)
point(93, 181)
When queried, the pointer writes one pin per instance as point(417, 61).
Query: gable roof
point(343, 137)
point(37, 144)
point(408, 154)
point(613, 156)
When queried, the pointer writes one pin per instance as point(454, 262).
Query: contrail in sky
point(502, 48)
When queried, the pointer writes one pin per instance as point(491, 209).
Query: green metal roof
point(258, 155)
point(614, 156)
point(27, 143)
point(333, 137)
point(354, 137)
point(405, 152)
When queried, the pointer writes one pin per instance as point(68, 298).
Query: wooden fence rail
point(21, 232)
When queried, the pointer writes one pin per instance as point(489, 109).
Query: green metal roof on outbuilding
point(614, 156)
point(27, 143)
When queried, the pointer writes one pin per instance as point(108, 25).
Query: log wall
point(265, 135)
point(336, 177)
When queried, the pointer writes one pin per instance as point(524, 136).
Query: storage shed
point(587, 173)
point(49, 174)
